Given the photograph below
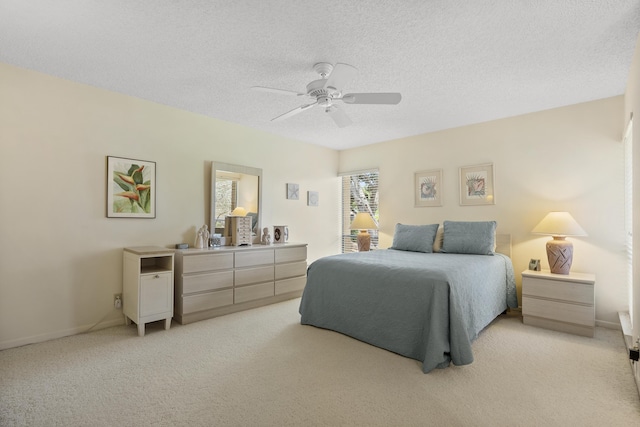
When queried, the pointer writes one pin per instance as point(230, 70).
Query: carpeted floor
point(262, 368)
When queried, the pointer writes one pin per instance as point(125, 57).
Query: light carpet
point(262, 368)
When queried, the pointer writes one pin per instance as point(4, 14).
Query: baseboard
point(34, 339)
point(608, 325)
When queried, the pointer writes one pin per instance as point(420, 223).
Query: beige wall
point(563, 159)
point(632, 107)
point(60, 257)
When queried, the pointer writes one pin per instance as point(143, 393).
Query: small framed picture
point(313, 198)
point(476, 185)
point(293, 191)
point(428, 188)
point(534, 264)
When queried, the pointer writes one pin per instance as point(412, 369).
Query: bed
point(424, 298)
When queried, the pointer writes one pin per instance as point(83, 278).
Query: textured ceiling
point(456, 62)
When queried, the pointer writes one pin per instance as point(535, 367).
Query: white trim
point(34, 339)
point(609, 325)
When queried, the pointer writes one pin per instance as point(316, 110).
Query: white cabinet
point(216, 281)
point(147, 285)
point(563, 302)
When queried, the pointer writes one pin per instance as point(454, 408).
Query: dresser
point(147, 285)
point(216, 281)
point(563, 302)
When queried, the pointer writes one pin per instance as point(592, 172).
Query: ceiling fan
point(328, 89)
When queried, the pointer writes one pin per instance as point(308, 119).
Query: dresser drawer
point(254, 257)
point(292, 269)
point(253, 292)
point(556, 310)
point(290, 285)
point(247, 276)
point(207, 282)
point(298, 253)
point(567, 291)
point(199, 302)
point(206, 262)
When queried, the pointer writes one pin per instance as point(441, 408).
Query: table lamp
point(559, 251)
point(239, 211)
point(364, 222)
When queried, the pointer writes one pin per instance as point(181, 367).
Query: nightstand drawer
point(556, 310)
point(551, 289)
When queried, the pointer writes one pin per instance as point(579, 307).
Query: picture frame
point(477, 185)
point(293, 191)
point(313, 198)
point(534, 264)
point(428, 188)
point(280, 234)
point(131, 188)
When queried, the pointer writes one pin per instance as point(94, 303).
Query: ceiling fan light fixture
point(328, 88)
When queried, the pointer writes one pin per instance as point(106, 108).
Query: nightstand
point(563, 302)
point(147, 285)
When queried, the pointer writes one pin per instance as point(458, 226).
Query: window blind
point(359, 194)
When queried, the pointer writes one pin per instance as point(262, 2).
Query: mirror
point(235, 186)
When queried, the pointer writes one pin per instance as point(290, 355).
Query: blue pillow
point(414, 238)
point(472, 237)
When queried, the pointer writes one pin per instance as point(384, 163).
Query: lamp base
point(560, 255)
point(364, 241)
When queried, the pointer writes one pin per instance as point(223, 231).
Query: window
point(359, 194)
point(226, 199)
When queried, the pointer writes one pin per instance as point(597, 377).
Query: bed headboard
point(503, 244)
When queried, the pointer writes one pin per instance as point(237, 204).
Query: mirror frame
point(219, 166)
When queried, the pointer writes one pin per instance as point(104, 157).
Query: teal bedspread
point(429, 307)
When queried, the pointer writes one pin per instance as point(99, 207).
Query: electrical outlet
point(117, 301)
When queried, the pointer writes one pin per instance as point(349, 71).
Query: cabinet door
point(156, 294)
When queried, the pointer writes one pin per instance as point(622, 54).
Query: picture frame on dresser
point(131, 188)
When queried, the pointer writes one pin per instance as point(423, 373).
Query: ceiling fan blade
point(293, 112)
point(371, 98)
point(339, 116)
point(274, 90)
point(341, 75)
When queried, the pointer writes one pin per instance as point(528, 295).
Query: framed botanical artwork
point(428, 188)
point(313, 198)
point(293, 191)
point(131, 188)
point(476, 185)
